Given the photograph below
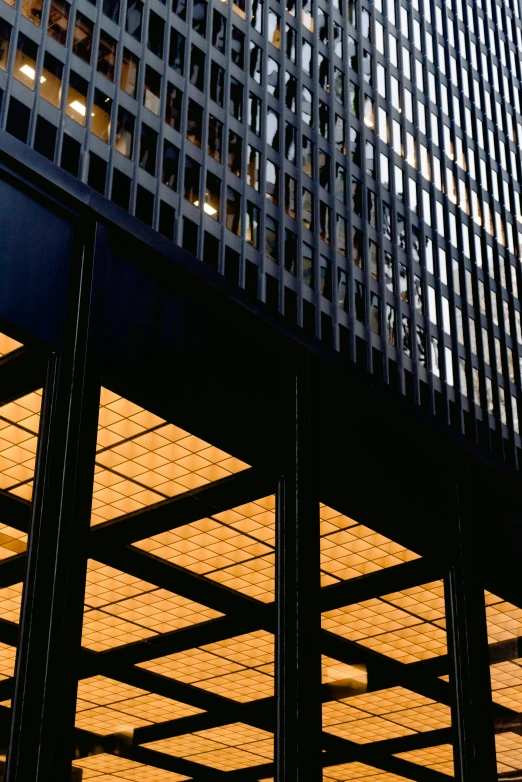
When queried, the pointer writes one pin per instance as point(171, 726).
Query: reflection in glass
point(101, 115)
point(233, 217)
point(83, 32)
point(51, 82)
point(129, 73)
point(77, 98)
point(125, 132)
point(152, 90)
point(25, 62)
point(58, 21)
point(5, 36)
point(106, 55)
point(32, 10)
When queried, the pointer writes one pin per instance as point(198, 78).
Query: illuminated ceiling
point(186, 673)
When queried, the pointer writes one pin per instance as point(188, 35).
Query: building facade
point(354, 165)
point(227, 554)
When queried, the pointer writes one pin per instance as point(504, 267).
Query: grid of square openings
point(225, 748)
point(239, 668)
point(111, 768)
point(356, 772)
point(509, 754)
point(122, 609)
point(105, 706)
point(19, 424)
point(439, 758)
point(504, 624)
point(408, 625)
point(383, 714)
point(504, 620)
point(235, 547)
point(141, 459)
point(349, 549)
point(355, 164)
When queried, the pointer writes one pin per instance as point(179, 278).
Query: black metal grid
point(325, 422)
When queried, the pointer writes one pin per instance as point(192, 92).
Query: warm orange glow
point(141, 459)
point(121, 609)
point(407, 625)
point(19, 423)
point(226, 748)
point(234, 547)
point(239, 668)
point(109, 768)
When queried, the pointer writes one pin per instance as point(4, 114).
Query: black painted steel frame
point(117, 304)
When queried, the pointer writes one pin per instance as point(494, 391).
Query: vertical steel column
point(468, 646)
point(41, 739)
point(298, 662)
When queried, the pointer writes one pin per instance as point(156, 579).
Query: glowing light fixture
point(79, 107)
point(30, 73)
point(207, 208)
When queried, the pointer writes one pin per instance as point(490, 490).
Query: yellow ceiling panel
point(335, 671)
point(349, 549)
point(10, 602)
point(438, 758)
point(102, 691)
point(388, 701)
point(339, 712)
point(407, 625)
point(226, 748)
point(504, 620)
point(122, 609)
point(238, 668)
point(368, 730)
point(354, 772)
point(234, 547)
point(434, 716)
point(506, 684)
point(509, 753)
point(141, 460)
point(12, 541)
point(425, 601)
point(8, 345)
point(104, 721)
point(105, 767)
point(19, 424)
point(7, 661)
point(382, 714)
point(107, 706)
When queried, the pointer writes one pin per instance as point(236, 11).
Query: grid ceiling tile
point(121, 609)
point(234, 547)
point(141, 460)
point(383, 714)
point(109, 768)
point(349, 549)
point(407, 625)
point(439, 758)
point(7, 661)
point(504, 620)
point(354, 772)
point(238, 668)
point(509, 753)
point(227, 748)
point(19, 423)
